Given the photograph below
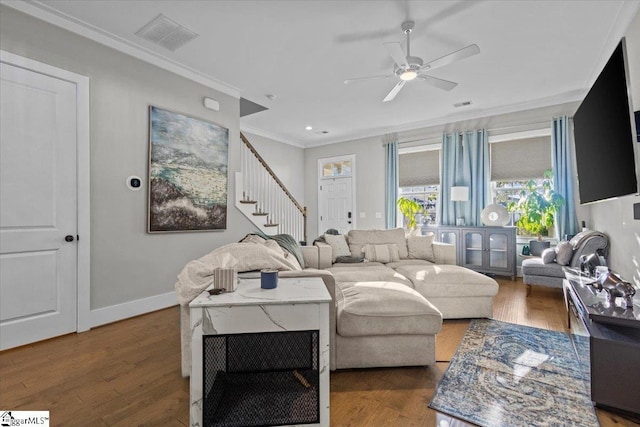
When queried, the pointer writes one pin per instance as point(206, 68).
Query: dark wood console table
point(607, 341)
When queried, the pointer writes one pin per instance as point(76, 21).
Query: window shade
point(520, 159)
point(421, 168)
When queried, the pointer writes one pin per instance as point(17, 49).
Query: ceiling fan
point(409, 67)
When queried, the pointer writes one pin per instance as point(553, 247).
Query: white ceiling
point(533, 54)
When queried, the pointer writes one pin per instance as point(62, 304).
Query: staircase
point(263, 198)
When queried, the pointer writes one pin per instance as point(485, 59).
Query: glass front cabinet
point(483, 249)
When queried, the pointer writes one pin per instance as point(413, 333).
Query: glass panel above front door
point(337, 168)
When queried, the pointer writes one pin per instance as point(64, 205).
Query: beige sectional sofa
point(388, 314)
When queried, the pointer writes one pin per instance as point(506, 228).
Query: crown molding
point(264, 134)
point(626, 13)
point(42, 11)
point(567, 97)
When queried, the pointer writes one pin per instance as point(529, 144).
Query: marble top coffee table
point(297, 304)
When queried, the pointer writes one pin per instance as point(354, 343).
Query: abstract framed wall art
point(188, 160)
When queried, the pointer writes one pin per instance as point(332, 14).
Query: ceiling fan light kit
point(408, 75)
point(408, 68)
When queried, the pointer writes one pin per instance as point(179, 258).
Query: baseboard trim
point(113, 313)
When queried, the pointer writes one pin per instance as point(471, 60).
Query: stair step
point(248, 202)
point(271, 225)
point(260, 214)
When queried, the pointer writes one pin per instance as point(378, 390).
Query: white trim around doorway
point(354, 198)
point(83, 321)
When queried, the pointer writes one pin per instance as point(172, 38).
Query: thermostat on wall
point(134, 183)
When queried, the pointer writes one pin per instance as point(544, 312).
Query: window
point(419, 180)
point(509, 191)
point(337, 168)
point(514, 163)
point(427, 197)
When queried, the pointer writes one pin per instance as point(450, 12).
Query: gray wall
point(127, 263)
point(285, 160)
point(615, 217)
point(370, 185)
point(370, 159)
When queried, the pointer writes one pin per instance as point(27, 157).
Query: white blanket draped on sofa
point(197, 276)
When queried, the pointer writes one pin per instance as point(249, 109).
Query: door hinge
point(321, 188)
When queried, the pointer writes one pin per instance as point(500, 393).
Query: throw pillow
point(564, 253)
point(421, 247)
point(349, 259)
point(381, 253)
point(548, 255)
point(338, 244)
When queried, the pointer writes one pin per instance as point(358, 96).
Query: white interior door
point(38, 206)
point(336, 204)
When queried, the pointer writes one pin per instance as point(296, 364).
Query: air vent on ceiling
point(167, 33)
point(462, 104)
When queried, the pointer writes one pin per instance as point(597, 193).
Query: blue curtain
point(464, 162)
point(450, 175)
point(391, 181)
point(562, 162)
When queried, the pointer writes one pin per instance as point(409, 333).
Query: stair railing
point(272, 199)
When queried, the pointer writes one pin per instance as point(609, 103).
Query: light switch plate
point(378, 215)
point(363, 215)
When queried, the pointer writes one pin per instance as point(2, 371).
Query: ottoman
point(381, 323)
point(457, 292)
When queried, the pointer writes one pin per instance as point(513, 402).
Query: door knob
point(68, 238)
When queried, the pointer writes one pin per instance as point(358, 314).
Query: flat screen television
point(604, 135)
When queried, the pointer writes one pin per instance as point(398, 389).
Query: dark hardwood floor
point(128, 373)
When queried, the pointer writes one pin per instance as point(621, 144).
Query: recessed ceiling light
point(309, 128)
point(270, 96)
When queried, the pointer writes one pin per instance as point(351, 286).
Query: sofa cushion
point(548, 255)
point(381, 253)
point(384, 308)
point(448, 281)
point(402, 262)
point(372, 273)
point(421, 247)
point(339, 247)
point(536, 267)
point(358, 238)
point(564, 253)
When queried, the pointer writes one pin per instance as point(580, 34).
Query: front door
point(336, 212)
point(38, 206)
point(335, 194)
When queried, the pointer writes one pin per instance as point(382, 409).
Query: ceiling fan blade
point(395, 50)
point(463, 53)
point(360, 79)
point(439, 83)
point(394, 91)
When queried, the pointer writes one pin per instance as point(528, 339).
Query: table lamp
point(459, 194)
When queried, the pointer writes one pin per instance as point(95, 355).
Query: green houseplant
point(410, 209)
point(537, 209)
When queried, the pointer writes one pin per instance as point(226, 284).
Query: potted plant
point(537, 209)
point(410, 209)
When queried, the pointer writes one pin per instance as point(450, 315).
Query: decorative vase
point(537, 246)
